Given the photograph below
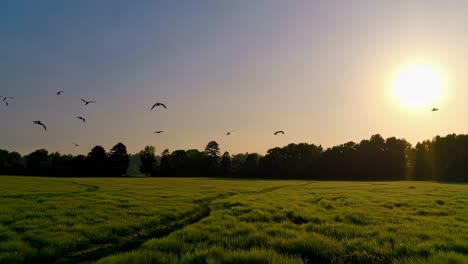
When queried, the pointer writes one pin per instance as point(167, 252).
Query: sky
point(322, 71)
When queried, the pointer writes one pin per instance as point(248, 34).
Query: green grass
point(183, 220)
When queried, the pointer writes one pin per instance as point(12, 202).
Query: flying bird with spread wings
point(158, 132)
point(60, 92)
point(6, 98)
point(158, 104)
point(81, 118)
point(76, 145)
point(434, 109)
point(279, 132)
point(88, 102)
point(230, 132)
point(40, 124)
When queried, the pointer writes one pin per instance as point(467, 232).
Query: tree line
point(440, 159)
point(97, 163)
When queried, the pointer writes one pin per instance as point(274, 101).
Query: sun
point(417, 86)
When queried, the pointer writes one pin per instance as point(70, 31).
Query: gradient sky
point(320, 70)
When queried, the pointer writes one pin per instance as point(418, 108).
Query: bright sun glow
point(417, 86)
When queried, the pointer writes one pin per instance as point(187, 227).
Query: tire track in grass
point(135, 240)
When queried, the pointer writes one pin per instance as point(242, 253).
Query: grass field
point(162, 220)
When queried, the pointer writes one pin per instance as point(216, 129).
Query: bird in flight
point(81, 118)
point(434, 109)
point(158, 104)
point(6, 98)
point(279, 132)
point(229, 133)
point(60, 92)
point(76, 145)
point(41, 124)
point(158, 132)
point(87, 102)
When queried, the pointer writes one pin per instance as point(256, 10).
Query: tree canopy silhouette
point(226, 166)
point(148, 161)
point(440, 159)
point(119, 160)
point(97, 162)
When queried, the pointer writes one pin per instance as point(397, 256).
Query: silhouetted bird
point(87, 102)
point(60, 92)
point(229, 133)
point(41, 124)
point(6, 98)
point(158, 104)
point(81, 118)
point(434, 109)
point(158, 132)
point(279, 132)
point(76, 145)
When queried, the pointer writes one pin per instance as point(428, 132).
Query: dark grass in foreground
point(251, 221)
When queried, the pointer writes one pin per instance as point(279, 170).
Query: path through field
point(183, 220)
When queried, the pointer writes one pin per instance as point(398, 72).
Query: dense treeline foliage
point(41, 163)
point(441, 159)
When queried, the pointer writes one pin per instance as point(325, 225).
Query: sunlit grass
point(249, 221)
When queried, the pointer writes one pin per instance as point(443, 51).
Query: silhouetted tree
point(79, 166)
point(37, 163)
point(250, 166)
point(451, 158)
point(442, 159)
point(179, 163)
point(293, 161)
point(165, 168)
point(11, 163)
point(212, 158)
point(226, 167)
point(97, 162)
point(237, 162)
point(15, 164)
point(60, 165)
point(195, 162)
point(148, 161)
point(396, 159)
point(340, 162)
point(118, 160)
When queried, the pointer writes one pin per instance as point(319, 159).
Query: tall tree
point(237, 163)
point(212, 157)
point(79, 166)
point(226, 166)
point(148, 161)
point(11, 163)
point(15, 164)
point(195, 160)
point(179, 162)
point(118, 160)
point(250, 166)
point(60, 165)
point(37, 163)
point(97, 162)
point(165, 168)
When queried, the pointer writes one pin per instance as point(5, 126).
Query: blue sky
point(320, 70)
